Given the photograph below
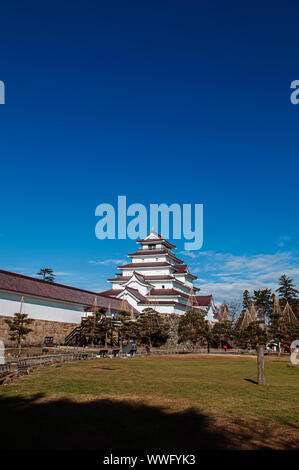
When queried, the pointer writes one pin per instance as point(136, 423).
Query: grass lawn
point(166, 402)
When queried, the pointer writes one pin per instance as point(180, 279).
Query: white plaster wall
point(136, 285)
point(168, 284)
point(150, 259)
point(147, 271)
point(40, 309)
point(131, 300)
point(115, 285)
point(159, 308)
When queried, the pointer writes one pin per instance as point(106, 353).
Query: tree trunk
point(260, 366)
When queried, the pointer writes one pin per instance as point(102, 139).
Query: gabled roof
point(141, 253)
point(135, 293)
point(31, 286)
point(145, 265)
point(183, 269)
point(204, 300)
point(153, 238)
point(174, 292)
point(139, 277)
point(147, 278)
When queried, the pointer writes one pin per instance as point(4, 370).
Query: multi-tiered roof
point(156, 277)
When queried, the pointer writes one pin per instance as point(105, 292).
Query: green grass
point(213, 396)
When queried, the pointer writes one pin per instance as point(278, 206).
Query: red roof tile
point(150, 241)
point(136, 293)
point(204, 300)
point(174, 292)
point(145, 265)
point(183, 268)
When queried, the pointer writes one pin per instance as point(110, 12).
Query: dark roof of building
point(146, 278)
point(111, 292)
point(31, 286)
point(136, 293)
point(204, 300)
point(140, 277)
point(183, 269)
point(174, 292)
point(156, 240)
point(145, 265)
point(141, 253)
point(116, 292)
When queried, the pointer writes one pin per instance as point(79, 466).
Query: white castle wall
point(40, 308)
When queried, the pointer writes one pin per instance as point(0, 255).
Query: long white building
point(156, 278)
point(49, 301)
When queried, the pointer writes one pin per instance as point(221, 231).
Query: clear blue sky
point(162, 101)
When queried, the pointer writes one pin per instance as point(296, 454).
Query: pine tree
point(246, 300)
point(280, 328)
point(223, 332)
point(251, 332)
point(284, 327)
point(262, 298)
point(47, 274)
point(18, 327)
point(245, 305)
point(287, 292)
point(150, 328)
point(194, 328)
point(126, 328)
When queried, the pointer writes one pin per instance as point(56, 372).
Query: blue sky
point(161, 101)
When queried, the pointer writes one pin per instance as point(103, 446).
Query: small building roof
point(204, 300)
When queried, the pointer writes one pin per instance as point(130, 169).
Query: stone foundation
point(172, 340)
point(40, 329)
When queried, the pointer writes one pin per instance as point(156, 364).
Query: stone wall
point(173, 322)
point(172, 341)
point(40, 329)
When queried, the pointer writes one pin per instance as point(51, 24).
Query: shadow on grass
point(109, 424)
point(252, 381)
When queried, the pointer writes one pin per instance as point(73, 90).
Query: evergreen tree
point(287, 292)
point(18, 327)
point(126, 328)
point(254, 334)
point(150, 328)
point(47, 274)
point(194, 328)
point(246, 300)
point(262, 298)
point(223, 332)
point(93, 326)
point(283, 328)
point(245, 304)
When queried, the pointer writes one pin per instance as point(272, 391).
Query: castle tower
point(156, 277)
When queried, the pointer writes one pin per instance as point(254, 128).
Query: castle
point(156, 278)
